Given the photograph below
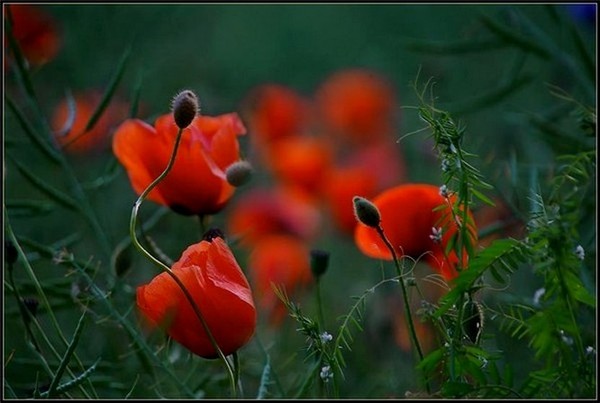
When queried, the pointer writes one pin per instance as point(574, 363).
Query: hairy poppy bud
point(238, 173)
point(319, 260)
point(366, 212)
point(185, 108)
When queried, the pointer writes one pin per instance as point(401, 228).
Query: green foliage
point(522, 78)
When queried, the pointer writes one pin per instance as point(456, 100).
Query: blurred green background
point(496, 86)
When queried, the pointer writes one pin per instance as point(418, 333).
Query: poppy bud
point(366, 212)
point(213, 233)
point(319, 260)
point(238, 173)
point(185, 108)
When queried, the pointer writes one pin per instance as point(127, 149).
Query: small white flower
point(537, 295)
point(326, 373)
point(436, 234)
point(566, 339)
point(579, 252)
point(445, 165)
point(325, 337)
point(589, 350)
point(444, 192)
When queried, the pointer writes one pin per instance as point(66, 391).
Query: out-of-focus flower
point(274, 112)
point(383, 159)
point(263, 212)
point(341, 185)
point(301, 161)
point(580, 252)
point(357, 106)
point(283, 261)
point(220, 290)
point(75, 139)
point(407, 218)
point(36, 33)
point(326, 373)
point(196, 184)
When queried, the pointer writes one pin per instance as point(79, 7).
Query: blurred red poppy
point(196, 184)
point(220, 290)
point(280, 210)
point(357, 105)
point(75, 139)
point(341, 185)
point(283, 261)
point(274, 112)
point(36, 33)
point(383, 159)
point(409, 222)
point(301, 161)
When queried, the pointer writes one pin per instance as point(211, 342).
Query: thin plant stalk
point(162, 266)
point(407, 312)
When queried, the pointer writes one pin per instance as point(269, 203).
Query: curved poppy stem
point(407, 312)
point(138, 245)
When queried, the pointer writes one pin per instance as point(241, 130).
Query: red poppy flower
point(284, 261)
point(220, 290)
point(383, 159)
point(196, 183)
point(98, 138)
point(35, 32)
point(274, 112)
point(341, 185)
point(301, 161)
point(264, 212)
point(408, 221)
point(357, 105)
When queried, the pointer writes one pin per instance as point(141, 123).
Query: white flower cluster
point(436, 234)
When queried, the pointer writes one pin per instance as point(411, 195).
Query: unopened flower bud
point(366, 212)
point(319, 260)
point(213, 233)
point(185, 108)
point(238, 173)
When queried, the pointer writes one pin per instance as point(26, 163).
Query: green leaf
point(31, 133)
point(456, 389)
point(578, 290)
point(29, 208)
point(43, 186)
point(110, 90)
point(67, 357)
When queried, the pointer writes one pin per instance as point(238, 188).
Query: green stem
point(163, 267)
point(320, 305)
point(407, 312)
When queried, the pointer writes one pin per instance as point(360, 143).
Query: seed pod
point(472, 320)
point(213, 233)
point(238, 173)
point(185, 108)
point(366, 212)
point(319, 261)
